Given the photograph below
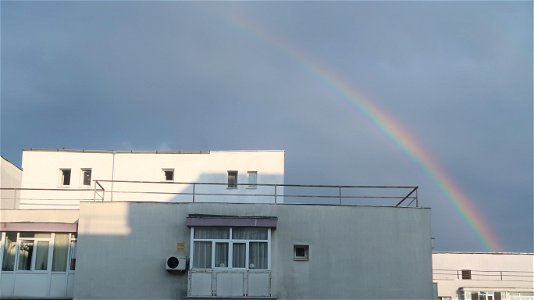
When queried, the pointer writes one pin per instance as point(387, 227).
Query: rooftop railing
point(170, 191)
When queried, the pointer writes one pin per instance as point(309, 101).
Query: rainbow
point(388, 125)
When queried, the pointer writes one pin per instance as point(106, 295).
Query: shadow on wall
point(122, 250)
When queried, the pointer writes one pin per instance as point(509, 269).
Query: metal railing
point(484, 275)
point(128, 190)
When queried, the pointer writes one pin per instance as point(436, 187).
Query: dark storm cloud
point(183, 75)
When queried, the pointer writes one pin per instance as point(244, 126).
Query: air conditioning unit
point(176, 263)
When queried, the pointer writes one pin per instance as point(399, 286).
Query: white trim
point(231, 241)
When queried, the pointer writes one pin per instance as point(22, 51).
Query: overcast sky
point(227, 76)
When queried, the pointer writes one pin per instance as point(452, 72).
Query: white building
point(70, 176)
point(484, 275)
point(206, 225)
point(10, 179)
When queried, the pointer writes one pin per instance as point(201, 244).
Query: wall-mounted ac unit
point(176, 263)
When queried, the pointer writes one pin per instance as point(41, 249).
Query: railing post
point(416, 197)
point(275, 194)
point(339, 193)
point(194, 185)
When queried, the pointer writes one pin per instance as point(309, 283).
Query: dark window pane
point(169, 175)
point(10, 250)
point(232, 179)
point(25, 255)
point(65, 176)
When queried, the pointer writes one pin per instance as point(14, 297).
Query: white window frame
point(50, 240)
point(82, 176)
point(231, 241)
point(252, 178)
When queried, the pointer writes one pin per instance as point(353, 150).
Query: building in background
point(206, 225)
point(484, 275)
point(10, 179)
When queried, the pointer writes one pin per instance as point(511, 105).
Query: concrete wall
point(492, 271)
point(10, 177)
point(42, 170)
point(355, 252)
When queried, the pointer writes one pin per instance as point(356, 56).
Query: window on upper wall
point(64, 177)
point(168, 174)
point(252, 179)
point(232, 179)
point(231, 248)
point(86, 177)
point(466, 274)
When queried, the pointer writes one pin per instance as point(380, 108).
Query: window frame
point(62, 177)
point(252, 184)
point(306, 256)
point(233, 184)
point(82, 176)
point(51, 240)
point(164, 173)
point(466, 274)
point(231, 241)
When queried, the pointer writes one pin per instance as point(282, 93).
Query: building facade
point(484, 275)
point(211, 225)
point(10, 180)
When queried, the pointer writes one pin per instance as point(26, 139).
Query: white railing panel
point(259, 284)
point(230, 284)
point(200, 283)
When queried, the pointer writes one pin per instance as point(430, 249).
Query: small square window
point(466, 274)
point(86, 176)
point(301, 252)
point(252, 179)
point(168, 174)
point(65, 177)
point(232, 179)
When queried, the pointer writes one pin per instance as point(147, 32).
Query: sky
point(437, 95)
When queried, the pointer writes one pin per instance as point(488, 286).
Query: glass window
point(252, 179)
point(168, 174)
point(257, 255)
point(202, 255)
point(25, 255)
point(232, 179)
point(250, 233)
point(221, 255)
point(301, 252)
point(86, 176)
point(10, 251)
point(41, 256)
point(73, 254)
point(65, 177)
point(239, 255)
point(246, 248)
point(60, 253)
point(212, 233)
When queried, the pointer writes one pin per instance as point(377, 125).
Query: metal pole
point(194, 185)
point(275, 194)
point(339, 193)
